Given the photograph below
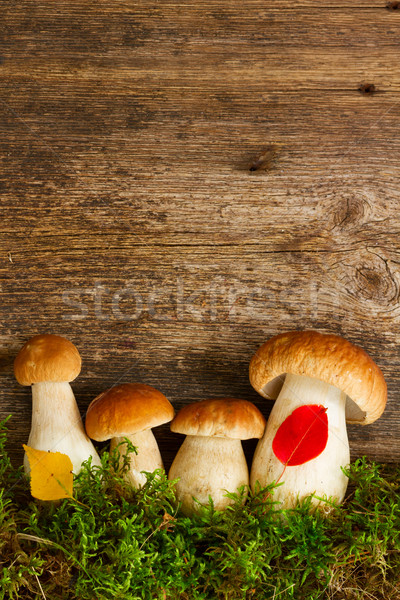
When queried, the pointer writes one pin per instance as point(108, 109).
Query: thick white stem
point(208, 466)
point(322, 475)
point(57, 425)
point(148, 457)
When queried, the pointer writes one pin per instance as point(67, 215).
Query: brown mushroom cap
point(220, 417)
point(329, 358)
point(47, 357)
point(126, 409)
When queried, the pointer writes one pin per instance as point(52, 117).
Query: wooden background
point(182, 180)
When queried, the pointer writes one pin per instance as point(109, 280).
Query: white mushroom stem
point(148, 457)
point(57, 425)
point(208, 466)
point(322, 475)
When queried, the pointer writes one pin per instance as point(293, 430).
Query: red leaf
point(302, 436)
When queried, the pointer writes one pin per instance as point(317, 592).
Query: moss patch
point(119, 544)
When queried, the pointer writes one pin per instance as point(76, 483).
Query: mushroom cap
point(126, 409)
point(328, 358)
point(47, 357)
point(220, 417)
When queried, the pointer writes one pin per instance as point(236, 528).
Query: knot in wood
point(263, 161)
point(368, 276)
point(367, 89)
point(395, 5)
point(352, 212)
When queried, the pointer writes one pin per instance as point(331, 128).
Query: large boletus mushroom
point(211, 461)
point(48, 363)
point(319, 382)
point(130, 410)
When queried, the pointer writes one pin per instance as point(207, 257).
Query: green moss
point(115, 543)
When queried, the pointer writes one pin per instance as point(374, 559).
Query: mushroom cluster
point(319, 382)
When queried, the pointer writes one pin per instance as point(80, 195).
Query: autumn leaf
point(51, 474)
point(302, 436)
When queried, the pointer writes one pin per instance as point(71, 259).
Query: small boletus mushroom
point(48, 363)
point(319, 381)
point(211, 460)
point(130, 410)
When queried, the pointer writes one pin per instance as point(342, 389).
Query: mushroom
point(336, 380)
point(130, 410)
point(211, 460)
point(48, 363)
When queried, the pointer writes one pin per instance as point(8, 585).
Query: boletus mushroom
point(49, 363)
point(319, 381)
point(130, 410)
point(211, 460)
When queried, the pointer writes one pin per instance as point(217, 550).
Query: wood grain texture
point(133, 224)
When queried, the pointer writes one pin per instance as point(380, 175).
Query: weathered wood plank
point(302, 45)
point(106, 37)
point(292, 70)
point(328, 223)
point(343, 142)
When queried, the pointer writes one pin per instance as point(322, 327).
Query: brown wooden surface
point(128, 130)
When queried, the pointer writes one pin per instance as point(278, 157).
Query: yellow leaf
point(51, 474)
